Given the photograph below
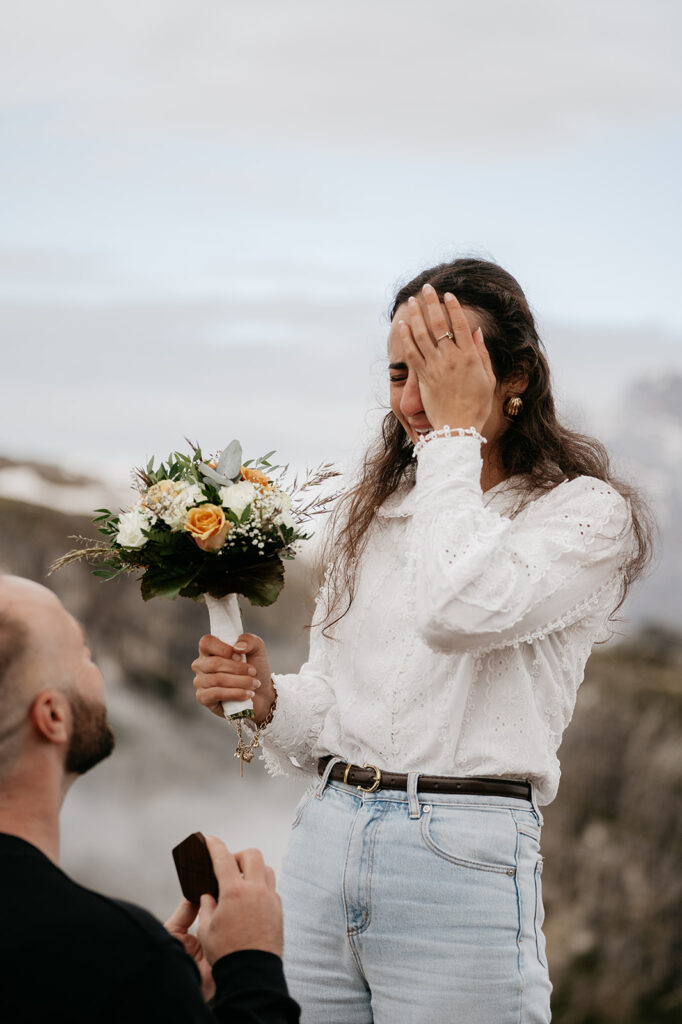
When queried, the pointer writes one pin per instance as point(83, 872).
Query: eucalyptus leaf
point(211, 477)
point(230, 461)
point(227, 470)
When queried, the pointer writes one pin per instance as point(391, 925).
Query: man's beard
point(91, 738)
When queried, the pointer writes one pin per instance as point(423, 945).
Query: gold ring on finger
point(448, 334)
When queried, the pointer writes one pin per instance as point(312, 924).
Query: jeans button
point(426, 808)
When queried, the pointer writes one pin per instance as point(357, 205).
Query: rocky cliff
point(613, 842)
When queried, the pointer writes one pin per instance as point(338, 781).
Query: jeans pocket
point(475, 839)
point(530, 877)
point(539, 915)
point(302, 804)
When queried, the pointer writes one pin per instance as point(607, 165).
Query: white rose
point(187, 495)
point(284, 515)
point(237, 496)
point(130, 526)
point(285, 519)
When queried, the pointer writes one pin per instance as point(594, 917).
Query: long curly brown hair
point(536, 448)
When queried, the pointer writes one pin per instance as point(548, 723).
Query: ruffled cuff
point(448, 464)
point(289, 734)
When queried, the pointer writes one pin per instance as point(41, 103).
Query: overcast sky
point(208, 205)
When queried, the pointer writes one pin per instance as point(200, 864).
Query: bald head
point(41, 648)
point(13, 645)
point(30, 620)
point(30, 604)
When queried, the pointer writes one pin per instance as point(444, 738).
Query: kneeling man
point(69, 954)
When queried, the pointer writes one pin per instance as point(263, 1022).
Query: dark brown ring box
point(195, 868)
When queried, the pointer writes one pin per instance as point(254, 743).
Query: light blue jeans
point(405, 909)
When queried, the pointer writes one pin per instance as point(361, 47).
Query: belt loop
point(412, 798)
point(534, 801)
point(319, 793)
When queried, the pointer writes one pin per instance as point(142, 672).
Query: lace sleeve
point(303, 700)
point(482, 580)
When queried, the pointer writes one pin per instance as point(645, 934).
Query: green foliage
point(263, 463)
point(108, 522)
point(177, 466)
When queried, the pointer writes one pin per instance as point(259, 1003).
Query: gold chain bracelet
point(245, 751)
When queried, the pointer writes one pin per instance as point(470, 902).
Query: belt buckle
point(377, 779)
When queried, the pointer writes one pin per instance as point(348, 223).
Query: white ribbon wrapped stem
point(226, 623)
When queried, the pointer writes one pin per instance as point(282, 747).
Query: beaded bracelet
point(446, 431)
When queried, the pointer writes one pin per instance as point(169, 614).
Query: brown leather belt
point(369, 778)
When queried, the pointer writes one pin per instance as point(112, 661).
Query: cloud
point(457, 77)
point(27, 272)
point(111, 385)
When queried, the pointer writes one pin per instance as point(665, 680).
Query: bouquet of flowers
point(208, 529)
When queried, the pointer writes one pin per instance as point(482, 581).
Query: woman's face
point(405, 398)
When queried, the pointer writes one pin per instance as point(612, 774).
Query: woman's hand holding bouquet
point(222, 675)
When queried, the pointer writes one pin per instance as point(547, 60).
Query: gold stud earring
point(513, 406)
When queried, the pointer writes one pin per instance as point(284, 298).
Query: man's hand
point(178, 924)
point(248, 914)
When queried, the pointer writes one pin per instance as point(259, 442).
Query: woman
point(480, 556)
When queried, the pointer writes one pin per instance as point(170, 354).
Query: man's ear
point(50, 716)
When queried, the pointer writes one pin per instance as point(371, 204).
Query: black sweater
point(71, 955)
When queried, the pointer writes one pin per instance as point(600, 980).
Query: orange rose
point(208, 526)
point(255, 476)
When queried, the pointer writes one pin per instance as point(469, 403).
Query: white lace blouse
point(466, 641)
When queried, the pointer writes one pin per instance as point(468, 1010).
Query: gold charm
point(245, 751)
